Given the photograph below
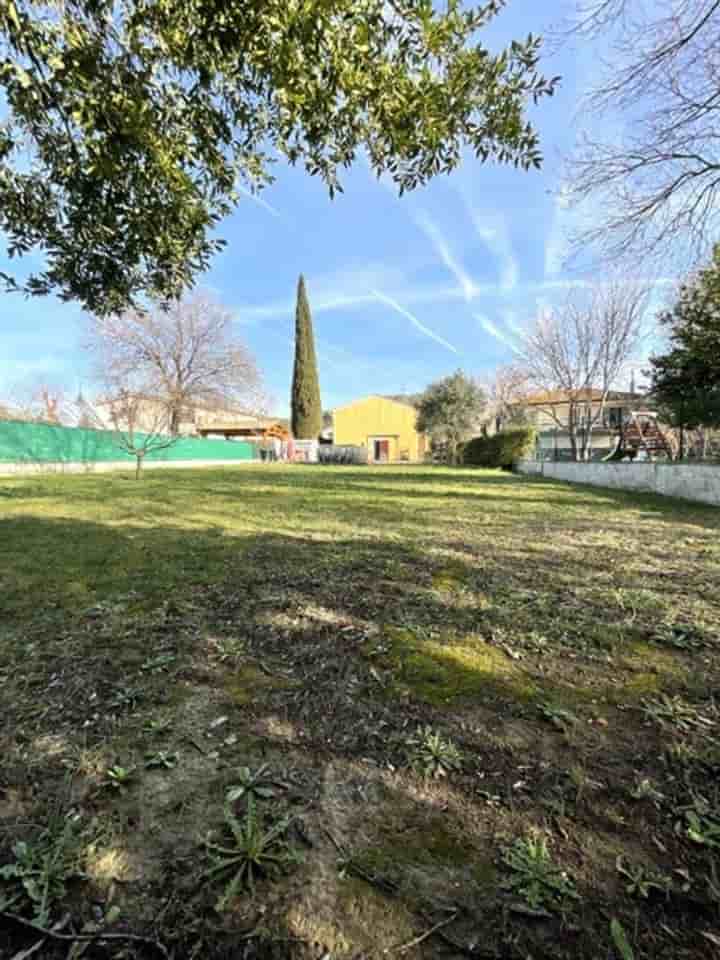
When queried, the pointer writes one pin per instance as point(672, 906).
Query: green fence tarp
point(22, 442)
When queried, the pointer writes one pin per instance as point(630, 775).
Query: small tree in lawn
point(140, 424)
point(450, 410)
point(307, 417)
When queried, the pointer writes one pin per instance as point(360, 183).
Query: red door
point(382, 451)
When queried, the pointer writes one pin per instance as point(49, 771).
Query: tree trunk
point(585, 433)
point(138, 465)
point(573, 441)
point(174, 421)
point(586, 444)
point(572, 431)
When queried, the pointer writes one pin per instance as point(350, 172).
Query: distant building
point(198, 420)
point(549, 413)
point(209, 421)
point(386, 428)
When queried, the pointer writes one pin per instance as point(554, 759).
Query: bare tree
point(183, 356)
point(576, 354)
point(504, 391)
point(41, 401)
point(654, 182)
point(51, 402)
point(140, 424)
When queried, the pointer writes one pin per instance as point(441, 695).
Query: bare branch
point(578, 353)
point(39, 400)
point(652, 188)
point(184, 356)
point(140, 423)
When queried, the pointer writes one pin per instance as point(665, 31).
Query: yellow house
point(387, 428)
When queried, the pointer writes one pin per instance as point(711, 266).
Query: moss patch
point(647, 657)
point(449, 669)
point(452, 577)
point(425, 857)
point(249, 683)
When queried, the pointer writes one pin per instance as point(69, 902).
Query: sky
point(403, 290)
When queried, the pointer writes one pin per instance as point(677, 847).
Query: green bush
point(500, 450)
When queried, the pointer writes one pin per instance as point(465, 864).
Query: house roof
point(407, 399)
point(551, 397)
point(374, 396)
point(218, 411)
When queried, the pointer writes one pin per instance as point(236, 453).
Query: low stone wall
point(691, 482)
point(29, 469)
point(529, 467)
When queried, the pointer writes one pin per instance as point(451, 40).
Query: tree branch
point(86, 937)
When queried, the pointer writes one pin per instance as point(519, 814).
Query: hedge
point(500, 450)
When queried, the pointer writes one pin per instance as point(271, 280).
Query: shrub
point(500, 450)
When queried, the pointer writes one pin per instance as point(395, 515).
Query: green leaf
point(123, 202)
point(12, 13)
point(620, 940)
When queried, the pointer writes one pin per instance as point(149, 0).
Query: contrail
point(413, 320)
point(434, 235)
point(494, 331)
point(260, 201)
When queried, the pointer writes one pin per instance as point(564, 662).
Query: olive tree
point(450, 410)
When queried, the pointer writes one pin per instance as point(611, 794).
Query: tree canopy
point(450, 409)
point(686, 379)
point(131, 123)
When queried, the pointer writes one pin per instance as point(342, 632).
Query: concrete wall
point(529, 467)
point(61, 466)
point(691, 482)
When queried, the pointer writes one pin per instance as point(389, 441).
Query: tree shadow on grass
point(343, 648)
point(324, 608)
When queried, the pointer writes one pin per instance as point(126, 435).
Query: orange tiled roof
point(550, 397)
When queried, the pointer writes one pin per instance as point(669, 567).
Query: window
point(614, 417)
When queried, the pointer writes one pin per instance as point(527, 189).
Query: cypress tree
point(305, 401)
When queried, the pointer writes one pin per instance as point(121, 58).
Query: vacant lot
point(285, 635)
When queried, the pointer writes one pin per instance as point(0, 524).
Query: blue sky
point(403, 290)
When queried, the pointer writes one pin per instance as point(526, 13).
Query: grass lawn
point(263, 648)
